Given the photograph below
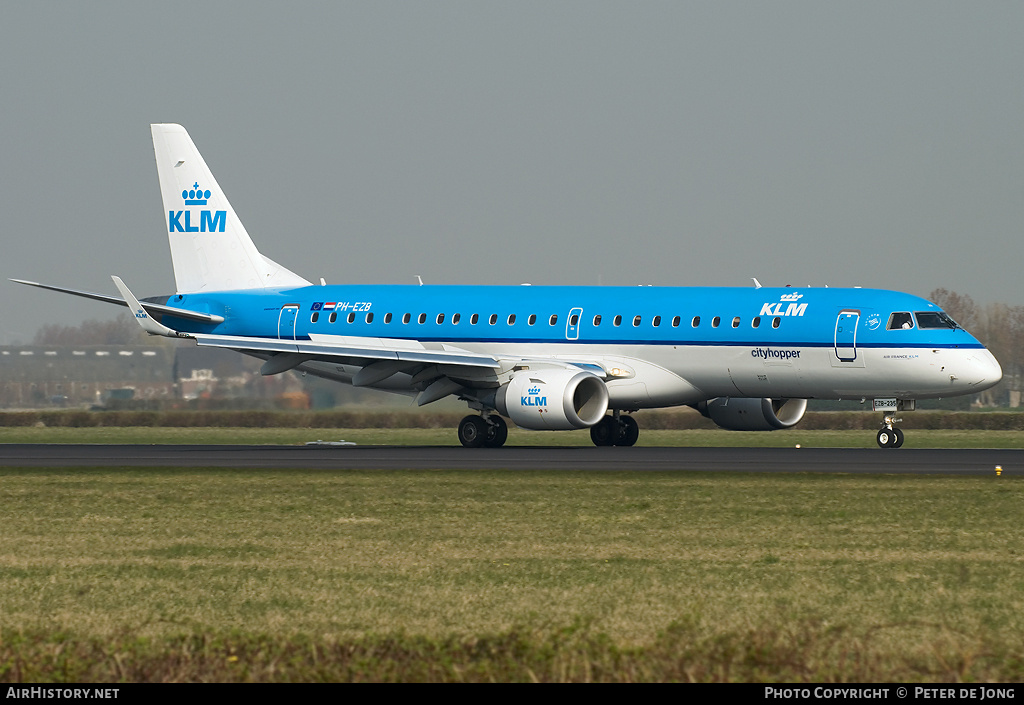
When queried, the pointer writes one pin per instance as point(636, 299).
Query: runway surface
point(817, 460)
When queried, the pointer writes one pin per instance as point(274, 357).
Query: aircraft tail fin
point(210, 249)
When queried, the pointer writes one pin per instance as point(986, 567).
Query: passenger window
point(573, 319)
point(776, 321)
point(657, 321)
point(554, 319)
point(334, 316)
point(474, 318)
point(406, 318)
point(422, 319)
point(636, 321)
point(493, 319)
point(369, 318)
point(597, 320)
point(736, 322)
point(756, 323)
point(511, 319)
point(532, 319)
point(675, 322)
point(900, 321)
point(351, 318)
point(617, 321)
point(456, 317)
point(695, 322)
point(715, 321)
point(315, 317)
point(387, 317)
point(440, 318)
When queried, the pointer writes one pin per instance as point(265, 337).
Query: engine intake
point(553, 400)
point(739, 414)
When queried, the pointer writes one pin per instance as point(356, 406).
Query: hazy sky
point(671, 143)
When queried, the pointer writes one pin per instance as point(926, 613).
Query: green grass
point(448, 575)
point(853, 438)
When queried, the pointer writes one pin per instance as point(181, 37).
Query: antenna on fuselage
point(757, 284)
point(420, 279)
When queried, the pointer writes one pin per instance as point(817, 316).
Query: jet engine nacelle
point(739, 414)
point(553, 400)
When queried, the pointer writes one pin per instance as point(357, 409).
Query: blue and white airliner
point(550, 357)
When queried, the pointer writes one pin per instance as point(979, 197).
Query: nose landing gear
point(890, 436)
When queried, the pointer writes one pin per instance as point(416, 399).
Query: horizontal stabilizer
point(150, 308)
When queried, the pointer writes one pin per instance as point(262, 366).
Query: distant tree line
point(123, 330)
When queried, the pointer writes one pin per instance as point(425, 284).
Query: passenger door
point(846, 336)
point(286, 321)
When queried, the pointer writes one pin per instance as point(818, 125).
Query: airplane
point(549, 357)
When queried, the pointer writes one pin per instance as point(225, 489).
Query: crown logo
point(533, 390)
point(195, 196)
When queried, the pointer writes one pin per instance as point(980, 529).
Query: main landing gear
point(489, 431)
point(615, 430)
point(890, 436)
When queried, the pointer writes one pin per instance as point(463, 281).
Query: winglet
point(147, 323)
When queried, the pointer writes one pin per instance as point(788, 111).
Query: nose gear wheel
point(889, 436)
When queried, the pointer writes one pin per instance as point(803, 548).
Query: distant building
point(48, 375)
point(33, 376)
point(37, 376)
point(208, 372)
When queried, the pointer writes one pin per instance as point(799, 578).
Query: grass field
point(814, 438)
point(480, 575)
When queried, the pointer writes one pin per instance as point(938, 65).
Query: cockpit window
point(899, 321)
point(934, 319)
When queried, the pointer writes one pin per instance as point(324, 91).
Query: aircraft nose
point(985, 369)
point(995, 372)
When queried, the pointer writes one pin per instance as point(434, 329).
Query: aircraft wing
point(350, 350)
point(436, 371)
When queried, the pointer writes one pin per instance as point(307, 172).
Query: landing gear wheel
point(603, 433)
point(497, 432)
point(473, 431)
point(629, 431)
point(615, 431)
point(890, 438)
point(899, 438)
point(885, 438)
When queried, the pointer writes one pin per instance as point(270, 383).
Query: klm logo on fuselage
point(533, 398)
point(209, 221)
point(786, 306)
